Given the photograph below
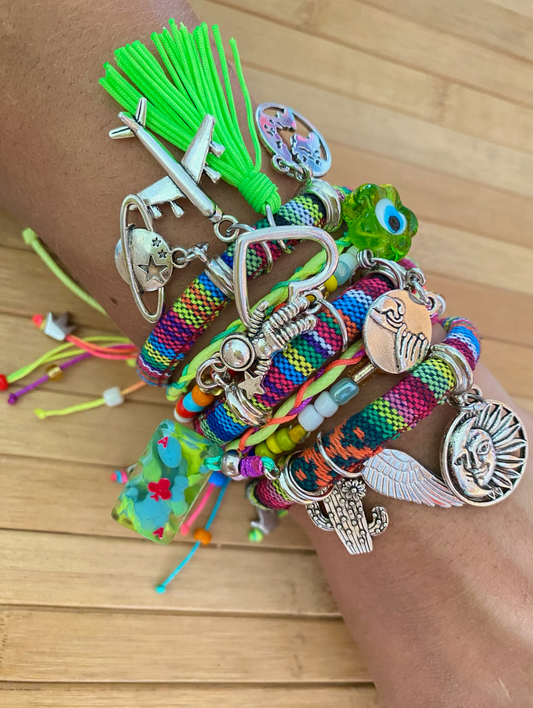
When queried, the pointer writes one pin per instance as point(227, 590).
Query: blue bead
point(345, 268)
point(343, 391)
point(190, 405)
point(217, 478)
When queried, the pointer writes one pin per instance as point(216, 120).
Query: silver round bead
point(237, 352)
point(229, 464)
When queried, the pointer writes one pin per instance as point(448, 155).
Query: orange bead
point(203, 536)
point(201, 398)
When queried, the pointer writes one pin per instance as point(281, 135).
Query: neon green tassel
point(179, 99)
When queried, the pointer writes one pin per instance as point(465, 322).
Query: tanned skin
point(442, 609)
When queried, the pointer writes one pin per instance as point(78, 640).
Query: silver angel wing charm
point(395, 474)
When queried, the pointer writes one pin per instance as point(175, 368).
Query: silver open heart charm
point(251, 352)
point(283, 233)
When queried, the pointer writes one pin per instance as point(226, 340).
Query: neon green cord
point(179, 100)
point(31, 238)
point(277, 295)
point(71, 409)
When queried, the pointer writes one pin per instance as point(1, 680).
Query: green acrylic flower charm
point(166, 482)
point(377, 219)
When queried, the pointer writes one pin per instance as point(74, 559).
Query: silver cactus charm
point(344, 513)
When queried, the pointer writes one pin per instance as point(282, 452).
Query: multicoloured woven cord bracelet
point(292, 346)
point(200, 304)
point(366, 432)
point(300, 359)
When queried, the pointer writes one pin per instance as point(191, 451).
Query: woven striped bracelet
point(365, 433)
point(301, 358)
point(200, 304)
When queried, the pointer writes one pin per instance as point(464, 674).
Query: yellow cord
point(40, 413)
point(31, 238)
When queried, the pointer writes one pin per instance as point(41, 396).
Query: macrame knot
point(259, 190)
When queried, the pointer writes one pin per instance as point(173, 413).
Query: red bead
point(182, 411)
point(37, 320)
point(4, 384)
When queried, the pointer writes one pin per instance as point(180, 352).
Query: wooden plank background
point(436, 98)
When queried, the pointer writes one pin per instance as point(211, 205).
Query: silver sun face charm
point(484, 453)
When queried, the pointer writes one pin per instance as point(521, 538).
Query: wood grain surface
point(434, 98)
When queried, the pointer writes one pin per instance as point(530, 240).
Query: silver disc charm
point(151, 258)
point(484, 453)
point(311, 152)
point(397, 332)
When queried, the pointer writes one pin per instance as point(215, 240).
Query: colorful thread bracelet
point(200, 304)
point(366, 432)
point(304, 355)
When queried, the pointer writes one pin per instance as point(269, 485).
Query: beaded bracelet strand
point(275, 297)
point(306, 354)
point(365, 433)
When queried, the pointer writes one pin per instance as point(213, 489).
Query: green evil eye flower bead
point(377, 219)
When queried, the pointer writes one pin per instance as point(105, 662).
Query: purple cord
point(13, 397)
point(300, 408)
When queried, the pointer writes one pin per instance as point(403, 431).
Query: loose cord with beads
point(163, 586)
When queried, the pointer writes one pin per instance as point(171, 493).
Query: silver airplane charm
point(183, 177)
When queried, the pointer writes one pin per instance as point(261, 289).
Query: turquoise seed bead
point(310, 419)
point(326, 405)
point(343, 391)
point(190, 405)
point(345, 268)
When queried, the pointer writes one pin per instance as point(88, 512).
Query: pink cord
point(186, 525)
point(104, 352)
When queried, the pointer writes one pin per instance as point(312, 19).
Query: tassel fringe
point(179, 98)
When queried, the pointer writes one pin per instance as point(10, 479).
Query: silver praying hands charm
point(344, 513)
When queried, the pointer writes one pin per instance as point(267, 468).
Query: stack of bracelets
point(258, 390)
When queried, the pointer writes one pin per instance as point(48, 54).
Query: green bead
point(376, 219)
point(255, 535)
point(284, 441)
point(263, 450)
point(343, 391)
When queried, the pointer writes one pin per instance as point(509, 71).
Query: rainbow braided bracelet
point(200, 304)
point(365, 433)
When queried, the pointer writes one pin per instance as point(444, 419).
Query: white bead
point(325, 405)
point(310, 419)
point(348, 258)
point(181, 419)
point(113, 397)
point(353, 251)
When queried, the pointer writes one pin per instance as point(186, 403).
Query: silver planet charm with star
point(151, 258)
